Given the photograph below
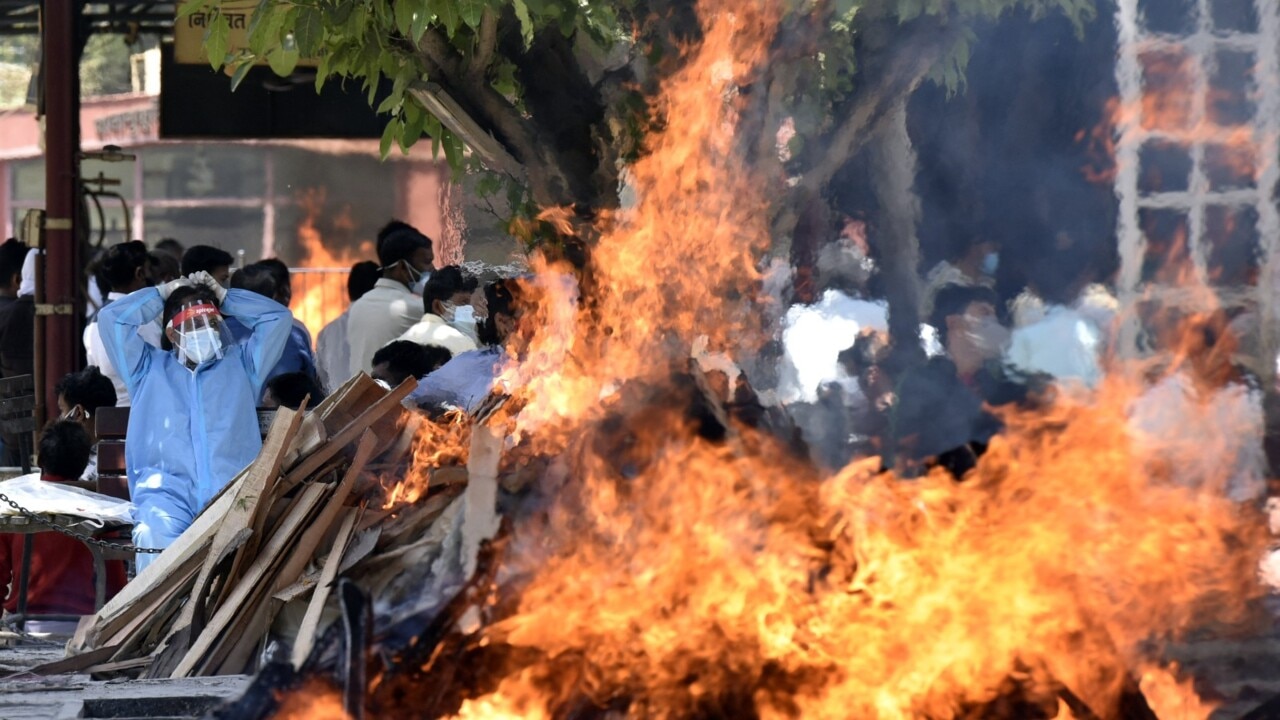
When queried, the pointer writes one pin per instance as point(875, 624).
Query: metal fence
point(319, 296)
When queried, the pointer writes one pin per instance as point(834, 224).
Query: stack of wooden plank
point(260, 560)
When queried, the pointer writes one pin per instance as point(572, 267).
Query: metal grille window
point(1196, 152)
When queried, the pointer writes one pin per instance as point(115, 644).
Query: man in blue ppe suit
point(193, 425)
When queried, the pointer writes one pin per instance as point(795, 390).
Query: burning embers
point(672, 574)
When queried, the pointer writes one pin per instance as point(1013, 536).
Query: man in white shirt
point(390, 308)
point(446, 290)
point(333, 354)
point(125, 268)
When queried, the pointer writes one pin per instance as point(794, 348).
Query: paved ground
point(63, 697)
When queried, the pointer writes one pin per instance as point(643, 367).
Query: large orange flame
point(676, 576)
point(321, 297)
point(672, 576)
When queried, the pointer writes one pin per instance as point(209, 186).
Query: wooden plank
point(495, 155)
point(296, 561)
point(130, 607)
point(234, 533)
point(75, 663)
point(311, 620)
point(253, 578)
point(151, 624)
point(480, 519)
point(192, 542)
point(348, 435)
point(119, 665)
point(295, 421)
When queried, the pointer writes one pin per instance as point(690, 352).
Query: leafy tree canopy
point(552, 93)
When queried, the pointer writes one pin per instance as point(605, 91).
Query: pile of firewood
point(260, 562)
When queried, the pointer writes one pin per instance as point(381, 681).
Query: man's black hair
point(392, 226)
point(64, 449)
point(162, 267)
point(290, 389)
point(284, 282)
point(121, 263)
point(364, 275)
point(400, 245)
point(500, 297)
point(206, 258)
point(257, 278)
point(408, 358)
point(955, 300)
point(12, 254)
point(444, 284)
point(88, 388)
point(179, 298)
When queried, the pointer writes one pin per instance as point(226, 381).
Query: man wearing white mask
point(391, 307)
point(938, 414)
point(193, 425)
point(446, 292)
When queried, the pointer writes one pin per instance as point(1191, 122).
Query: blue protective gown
point(190, 432)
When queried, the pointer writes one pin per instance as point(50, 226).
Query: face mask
point(201, 346)
point(419, 277)
point(457, 313)
point(987, 336)
point(990, 263)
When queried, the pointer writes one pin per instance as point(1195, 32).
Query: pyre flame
point(676, 577)
point(691, 578)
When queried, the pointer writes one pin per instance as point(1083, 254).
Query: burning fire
point(673, 576)
point(1167, 115)
point(321, 297)
point(436, 444)
point(315, 700)
point(677, 577)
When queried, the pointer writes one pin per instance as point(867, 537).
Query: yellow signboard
point(189, 31)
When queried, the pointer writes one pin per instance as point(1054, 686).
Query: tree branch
point(486, 43)
point(906, 66)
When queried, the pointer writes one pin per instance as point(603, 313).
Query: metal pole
point(59, 308)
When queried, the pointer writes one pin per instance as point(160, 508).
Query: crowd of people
point(1054, 335)
point(195, 346)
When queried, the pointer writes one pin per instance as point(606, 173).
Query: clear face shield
point(202, 336)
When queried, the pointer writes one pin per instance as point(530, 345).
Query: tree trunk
point(893, 171)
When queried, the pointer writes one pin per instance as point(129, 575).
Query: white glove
point(205, 279)
point(167, 289)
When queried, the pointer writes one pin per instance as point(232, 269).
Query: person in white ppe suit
point(193, 424)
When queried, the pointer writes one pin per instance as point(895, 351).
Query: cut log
point(311, 621)
point(388, 403)
point(245, 518)
point(252, 581)
point(480, 516)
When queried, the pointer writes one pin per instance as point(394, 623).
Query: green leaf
point(308, 31)
point(471, 12)
point(322, 72)
point(415, 123)
point(526, 23)
point(421, 19)
point(241, 72)
point(388, 137)
point(284, 59)
point(191, 7)
point(453, 150)
point(215, 40)
point(404, 17)
point(447, 12)
point(504, 79)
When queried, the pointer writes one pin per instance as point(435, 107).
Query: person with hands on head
point(194, 424)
